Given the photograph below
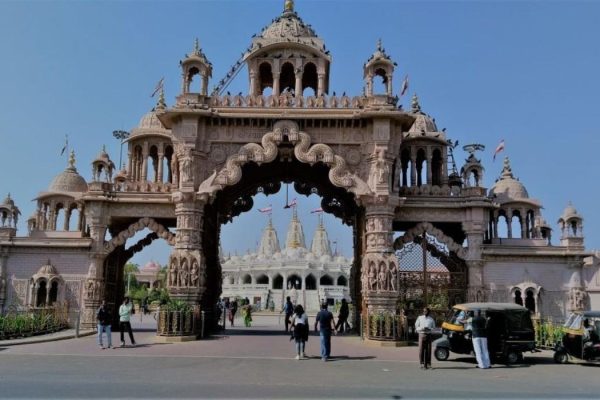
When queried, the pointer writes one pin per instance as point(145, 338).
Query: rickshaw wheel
point(512, 357)
point(441, 353)
point(561, 357)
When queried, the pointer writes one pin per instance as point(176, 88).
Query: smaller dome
point(68, 181)
point(569, 213)
point(150, 266)
point(8, 201)
point(508, 188)
point(288, 25)
point(150, 121)
point(423, 123)
point(102, 157)
point(47, 269)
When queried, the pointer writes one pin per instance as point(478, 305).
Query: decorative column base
point(381, 321)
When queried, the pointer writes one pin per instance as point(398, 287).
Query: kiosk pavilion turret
point(423, 233)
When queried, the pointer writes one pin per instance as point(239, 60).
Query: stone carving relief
point(186, 270)
point(72, 292)
point(93, 290)
point(267, 151)
point(379, 273)
point(145, 222)
point(19, 291)
point(578, 299)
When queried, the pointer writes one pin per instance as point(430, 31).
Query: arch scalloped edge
point(427, 227)
point(132, 229)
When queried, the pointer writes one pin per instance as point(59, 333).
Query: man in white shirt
point(424, 326)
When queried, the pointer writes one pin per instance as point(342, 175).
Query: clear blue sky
point(525, 72)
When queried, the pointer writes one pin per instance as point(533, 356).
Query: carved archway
point(426, 227)
point(143, 223)
point(267, 151)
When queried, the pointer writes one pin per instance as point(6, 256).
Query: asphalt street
point(259, 363)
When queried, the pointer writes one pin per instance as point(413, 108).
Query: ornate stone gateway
point(195, 165)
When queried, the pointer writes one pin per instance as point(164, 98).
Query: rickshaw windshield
point(456, 316)
point(573, 322)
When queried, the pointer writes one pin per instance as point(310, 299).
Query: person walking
point(479, 333)
point(103, 317)
point(300, 330)
point(247, 313)
point(124, 321)
point(288, 309)
point(424, 325)
point(342, 322)
point(234, 307)
point(325, 321)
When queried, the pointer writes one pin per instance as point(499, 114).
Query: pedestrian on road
point(479, 332)
point(103, 316)
point(288, 309)
point(342, 322)
point(424, 325)
point(325, 321)
point(300, 330)
point(233, 310)
point(247, 313)
point(124, 324)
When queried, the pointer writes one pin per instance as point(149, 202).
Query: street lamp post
point(121, 135)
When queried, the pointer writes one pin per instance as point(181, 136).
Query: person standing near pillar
point(325, 319)
point(424, 325)
point(479, 329)
point(104, 325)
point(124, 321)
point(288, 309)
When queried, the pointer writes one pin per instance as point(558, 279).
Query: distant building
point(308, 275)
point(149, 276)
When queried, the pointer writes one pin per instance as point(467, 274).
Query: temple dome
point(287, 25)
point(69, 180)
point(150, 121)
point(569, 213)
point(423, 122)
point(47, 269)
point(507, 187)
point(150, 266)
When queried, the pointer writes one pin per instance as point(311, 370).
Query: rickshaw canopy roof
point(491, 306)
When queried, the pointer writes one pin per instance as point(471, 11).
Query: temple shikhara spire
point(423, 233)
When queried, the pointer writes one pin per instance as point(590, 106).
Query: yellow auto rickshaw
point(581, 338)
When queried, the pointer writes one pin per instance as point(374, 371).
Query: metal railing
point(548, 332)
point(384, 327)
point(180, 323)
point(34, 321)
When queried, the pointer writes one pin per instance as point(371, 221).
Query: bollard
point(78, 322)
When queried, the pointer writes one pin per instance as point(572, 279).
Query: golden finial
point(72, 159)
point(414, 103)
point(288, 6)
point(161, 104)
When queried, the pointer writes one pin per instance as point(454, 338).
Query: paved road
point(258, 363)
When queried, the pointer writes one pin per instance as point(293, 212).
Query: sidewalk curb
point(42, 339)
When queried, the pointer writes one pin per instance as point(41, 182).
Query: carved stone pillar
point(298, 88)
point(186, 277)
point(429, 170)
point(67, 220)
point(379, 270)
point(204, 88)
point(320, 84)
point(145, 162)
point(161, 158)
point(276, 84)
point(475, 266)
point(3, 278)
point(93, 290)
point(413, 170)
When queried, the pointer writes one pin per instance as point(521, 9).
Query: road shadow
point(341, 358)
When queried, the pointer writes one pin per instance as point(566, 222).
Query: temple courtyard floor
point(258, 362)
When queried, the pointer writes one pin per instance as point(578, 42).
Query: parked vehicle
point(581, 339)
point(510, 331)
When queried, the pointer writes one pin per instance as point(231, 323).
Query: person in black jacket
point(342, 322)
point(103, 316)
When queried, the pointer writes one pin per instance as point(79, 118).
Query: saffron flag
point(266, 209)
point(158, 87)
point(318, 210)
point(65, 146)
point(499, 149)
point(404, 86)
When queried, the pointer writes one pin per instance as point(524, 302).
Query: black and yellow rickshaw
point(581, 338)
point(510, 331)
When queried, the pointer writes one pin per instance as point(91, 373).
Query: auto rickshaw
point(510, 331)
point(581, 339)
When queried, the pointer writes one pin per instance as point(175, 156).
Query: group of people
point(476, 324)
point(105, 320)
point(296, 322)
point(230, 308)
